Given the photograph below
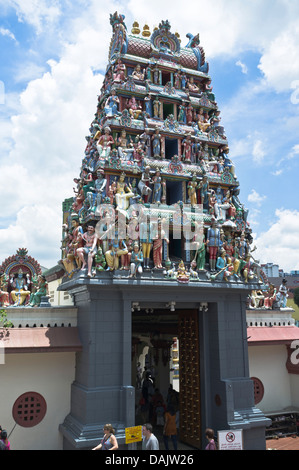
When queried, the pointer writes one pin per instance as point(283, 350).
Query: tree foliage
point(296, 296)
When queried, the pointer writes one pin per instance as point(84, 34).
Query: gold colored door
point(190, 422)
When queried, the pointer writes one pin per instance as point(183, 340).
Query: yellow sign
point(133, 434)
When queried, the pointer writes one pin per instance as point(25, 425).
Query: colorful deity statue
point(21, 288)
point(136, 261)
point(42, 291)
point(112, 104)
point(89, 239)
point(104, 143)
point(123, 194)
point(4, 295)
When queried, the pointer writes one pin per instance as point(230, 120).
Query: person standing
point(109, 441)
point(5, 440)
point(210, 437)
point(149, 442)
point(170, 429)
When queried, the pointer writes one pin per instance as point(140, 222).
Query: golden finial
point(146, 31)
point(177, 35)
point(135, 29)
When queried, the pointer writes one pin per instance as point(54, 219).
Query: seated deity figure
point(42, 290)
point(4, 295)
point(117, 248)
point(20, 291)
point(125, 149)
point(111, 105)
point(119, 74)
point(123, 194)
point(136, 261)
point(138, 74)
point(134, 107)
point(192, 86)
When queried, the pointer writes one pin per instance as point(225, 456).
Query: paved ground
point(284, 443)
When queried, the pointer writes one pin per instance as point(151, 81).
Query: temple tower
point(157, 244)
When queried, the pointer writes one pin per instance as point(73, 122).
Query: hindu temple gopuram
point(157, 244)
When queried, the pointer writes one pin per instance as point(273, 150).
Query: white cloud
point(258, 151)
point(39, 14)
point(279, 244)
point(8, 33)
point(243, 66)
point(294, 153)
point(48, 134)
point(277, 172)
point(280, 60)
point(256, 198)
point(36, 228)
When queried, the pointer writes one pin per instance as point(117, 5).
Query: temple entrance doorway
point(166, 368)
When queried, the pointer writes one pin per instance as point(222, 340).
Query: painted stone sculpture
point(157, 151)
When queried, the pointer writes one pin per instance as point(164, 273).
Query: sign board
point(133, 434)
point(230, 440)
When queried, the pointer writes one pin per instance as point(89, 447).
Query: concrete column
point(102, 391)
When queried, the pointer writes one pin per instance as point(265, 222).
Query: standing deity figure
point(157, 189)
point(157, 107)
point(90, 240)
point(156, 139)
point(146, 240)
point(148, 105)
point(204, 194)
point(189, 114)
point(144, 184)
point(187, 145)
point(98, 192)
point(213, 243)
point(20, 291)
point(282, 294)
point(192, 191)
point(145, 141)
point(158, 240)
point(182, 113)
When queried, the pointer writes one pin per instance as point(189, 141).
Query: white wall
point(58, 298)
point(294, 378)
point(51, 375)
point(268, 363)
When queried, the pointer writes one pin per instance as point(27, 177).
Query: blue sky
point(52, 56)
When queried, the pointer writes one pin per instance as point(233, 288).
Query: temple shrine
point(157, 245)
point(22, 283)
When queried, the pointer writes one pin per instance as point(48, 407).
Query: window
point(258, 390)
point(29, 409)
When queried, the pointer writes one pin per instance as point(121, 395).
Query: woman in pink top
point(5, 440)
point(210, 436)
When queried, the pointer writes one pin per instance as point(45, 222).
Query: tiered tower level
point(157, 173)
